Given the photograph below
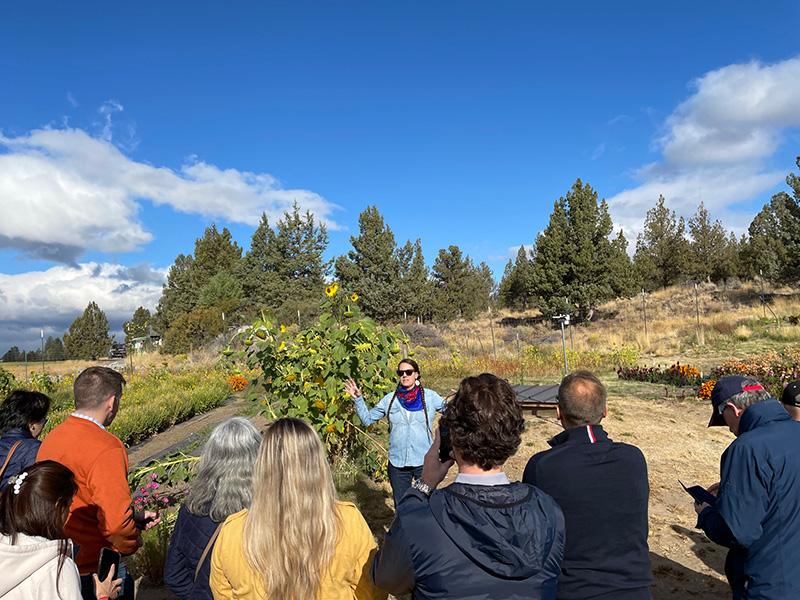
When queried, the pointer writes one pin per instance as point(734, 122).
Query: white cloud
point(715, 144)
point(72, 100)
point(53, 298)
point(63, 191)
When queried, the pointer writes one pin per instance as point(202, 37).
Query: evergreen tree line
point(284, 272)
point(577, 262)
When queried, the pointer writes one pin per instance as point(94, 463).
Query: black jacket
point(602, 488)
point(189, 539)
point(757, 513)
point(473, 542)
point(24, 455)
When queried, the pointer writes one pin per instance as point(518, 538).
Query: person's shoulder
point(349, 513)
point(236, 519)
point(629, 451)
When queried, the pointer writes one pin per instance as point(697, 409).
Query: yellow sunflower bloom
point(354, 297)
point(283, 328)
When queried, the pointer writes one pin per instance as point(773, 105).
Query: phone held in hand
point(445, 448)
point(108, 557)
point(700, 495)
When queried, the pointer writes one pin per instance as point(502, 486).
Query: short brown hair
point(485, 421)
point(95, 384)
point(582, 399)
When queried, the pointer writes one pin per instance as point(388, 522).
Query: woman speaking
point(411, 409)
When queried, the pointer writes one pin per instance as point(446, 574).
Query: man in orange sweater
point(101, 514)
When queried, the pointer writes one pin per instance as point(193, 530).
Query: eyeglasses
point(401, 372)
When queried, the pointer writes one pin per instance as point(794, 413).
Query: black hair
point(414, 364)
point(21, 408)
point(41, 505)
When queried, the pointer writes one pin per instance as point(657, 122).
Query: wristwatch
point(421, 486)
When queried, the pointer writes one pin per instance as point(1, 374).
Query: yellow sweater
point(348, 577)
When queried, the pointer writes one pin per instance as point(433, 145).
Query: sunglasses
point(401, 372)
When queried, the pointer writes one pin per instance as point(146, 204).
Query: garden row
point(773, 369)
point(152, 402)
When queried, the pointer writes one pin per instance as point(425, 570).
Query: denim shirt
point(409, 438)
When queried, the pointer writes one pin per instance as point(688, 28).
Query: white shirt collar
point(481, 479)
point(88, 418)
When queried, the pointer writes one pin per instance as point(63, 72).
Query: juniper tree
point(372, 268)
point(661, 248)
point(87, 337)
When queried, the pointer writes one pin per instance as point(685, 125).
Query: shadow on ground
point(673, 580)
point(372, 499)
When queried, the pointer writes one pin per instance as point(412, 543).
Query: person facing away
point(757, 510)
point(602, 488)
point(482, 536)
point(23, 415)
point(295, 542)
point(35, 556)
point(101, 514)
point(222, 487)
point(790, 398)
point(411, 409)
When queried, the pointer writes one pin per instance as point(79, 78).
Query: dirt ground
point(673, 436)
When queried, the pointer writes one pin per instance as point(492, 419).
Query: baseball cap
point(791, 394)
point(725, 388)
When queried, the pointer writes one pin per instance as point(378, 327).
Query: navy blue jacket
point(758, 506)
point(473, 542)
point(24, 455)
point(602, 488)
point(189, 539)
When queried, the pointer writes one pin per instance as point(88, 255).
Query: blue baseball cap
point(726, 388)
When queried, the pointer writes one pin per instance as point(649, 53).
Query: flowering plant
point(147, 497)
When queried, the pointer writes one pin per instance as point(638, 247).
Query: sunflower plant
point(302, 373)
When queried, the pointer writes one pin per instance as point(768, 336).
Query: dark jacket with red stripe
point(602, 489)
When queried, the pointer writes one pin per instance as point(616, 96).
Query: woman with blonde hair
point(296, 541)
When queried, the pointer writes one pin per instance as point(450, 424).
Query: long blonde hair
point(293, 526)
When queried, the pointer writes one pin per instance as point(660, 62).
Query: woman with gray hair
point(222, 487)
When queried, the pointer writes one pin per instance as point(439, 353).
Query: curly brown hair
point(485, 421)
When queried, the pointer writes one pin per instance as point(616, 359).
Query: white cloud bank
point(715, 144)
point(63, 191)
point(53, 298)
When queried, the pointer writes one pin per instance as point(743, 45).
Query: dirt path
point(185, 433)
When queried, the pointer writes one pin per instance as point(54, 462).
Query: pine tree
point(620, 268)
point(213, 253)
point(514, 289)
point(54, 349)
point(138, 326)
point(88, 337)
point(416, 282)
point(223, 292)
point(460, 289)
point(14, 354)
point(551, 263)
point(179, 294)
point(661, 249)
point(708, 250)
point(372, 268)
point(284, 271)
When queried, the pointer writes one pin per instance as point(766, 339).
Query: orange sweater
point(101, 514)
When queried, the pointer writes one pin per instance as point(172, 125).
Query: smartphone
point(700, 495)
point(445, 448)
point(108, 557)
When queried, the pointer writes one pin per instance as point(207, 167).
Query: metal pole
point(25, 353)
point(564, 348)
point(491, 326)
point(644, 316)
point(696, 306)
point(42, 350)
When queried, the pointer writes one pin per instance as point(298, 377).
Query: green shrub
point(7, 382)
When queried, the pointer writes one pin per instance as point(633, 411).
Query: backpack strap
point(206, 551)
point(8, 458)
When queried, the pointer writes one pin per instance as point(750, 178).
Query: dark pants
point(400, 479)
point(87, 585)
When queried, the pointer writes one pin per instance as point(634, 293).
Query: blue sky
point(124, 131)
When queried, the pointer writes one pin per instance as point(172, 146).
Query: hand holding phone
point(108, 558)
point(445, 447)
